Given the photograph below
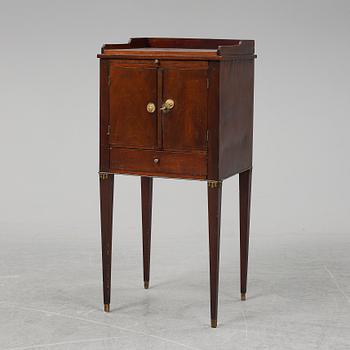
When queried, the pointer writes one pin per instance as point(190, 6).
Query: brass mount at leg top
point(103, 175)
point(214, 183)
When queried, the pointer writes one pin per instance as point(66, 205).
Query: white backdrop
point(49, 113)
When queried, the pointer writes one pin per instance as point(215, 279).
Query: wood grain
point(131, 89)
point(106, 205)
point(170, 164)
point(214, 216)
point(185, 126)
point(104, 115)
point(245, 179)
point(208, 135)
point(146, 204)
point(236, 117)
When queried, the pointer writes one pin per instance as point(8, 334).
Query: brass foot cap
point(243, 296)
point(106, 307)
point(146, 284)
point(214, 323)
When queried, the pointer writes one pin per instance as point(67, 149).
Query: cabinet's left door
point(132, 105)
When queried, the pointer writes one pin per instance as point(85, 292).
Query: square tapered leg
point(106, 207)
point(146, 203)
point(245, 179)
point(214, 216)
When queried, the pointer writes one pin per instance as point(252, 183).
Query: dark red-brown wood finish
point(177, 108)
point(245, 180)
point(106, 203)
point(146, 204)
point(214, 216)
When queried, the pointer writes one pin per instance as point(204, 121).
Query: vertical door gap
point(159, 112)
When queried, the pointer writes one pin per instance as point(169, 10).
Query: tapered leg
point(245, 179)
point(214, 215)
point(146, 200)
point(106, 203)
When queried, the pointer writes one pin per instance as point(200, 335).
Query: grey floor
point(50, 292)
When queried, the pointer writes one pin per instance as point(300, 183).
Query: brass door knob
point(151, 107)
point(167, 105)
point(156, 160)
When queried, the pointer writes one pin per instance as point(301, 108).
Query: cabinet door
point(132, 87)
point(185, 125)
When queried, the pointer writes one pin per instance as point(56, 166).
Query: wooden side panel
point(104, 115)
point(236, 116)
point(213, 120)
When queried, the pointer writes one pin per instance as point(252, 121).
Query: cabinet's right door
point(185, 125)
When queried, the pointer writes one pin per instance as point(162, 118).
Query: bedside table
point(177, 108)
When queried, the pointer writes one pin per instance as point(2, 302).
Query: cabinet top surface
point(157, 51)
point(179, 48)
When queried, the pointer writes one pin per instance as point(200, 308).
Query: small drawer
point(159, 163)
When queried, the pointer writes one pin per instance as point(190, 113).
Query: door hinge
point(207, 83)
point(109, 79)
point(207, 136)
point(108, 129)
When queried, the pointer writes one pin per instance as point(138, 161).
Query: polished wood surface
point(236, 117)
point(179, 48)
point(162, 52)
point(104, 116)
point(130, 90)
point(207, 134)
point(245, 180)
point(185, 126)
point(146, 205)
point(214, 216)
point(106, 203)
point(159, 163)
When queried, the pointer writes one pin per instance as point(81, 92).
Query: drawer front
point(159, 163)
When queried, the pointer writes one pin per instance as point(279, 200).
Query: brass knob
point(156, 160)
point(167, 105)
point(151, 107)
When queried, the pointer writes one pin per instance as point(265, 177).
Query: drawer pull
point(156, 160)
point(151, 107)
point(167, 105)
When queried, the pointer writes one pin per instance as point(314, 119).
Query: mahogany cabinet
point(177, 108)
